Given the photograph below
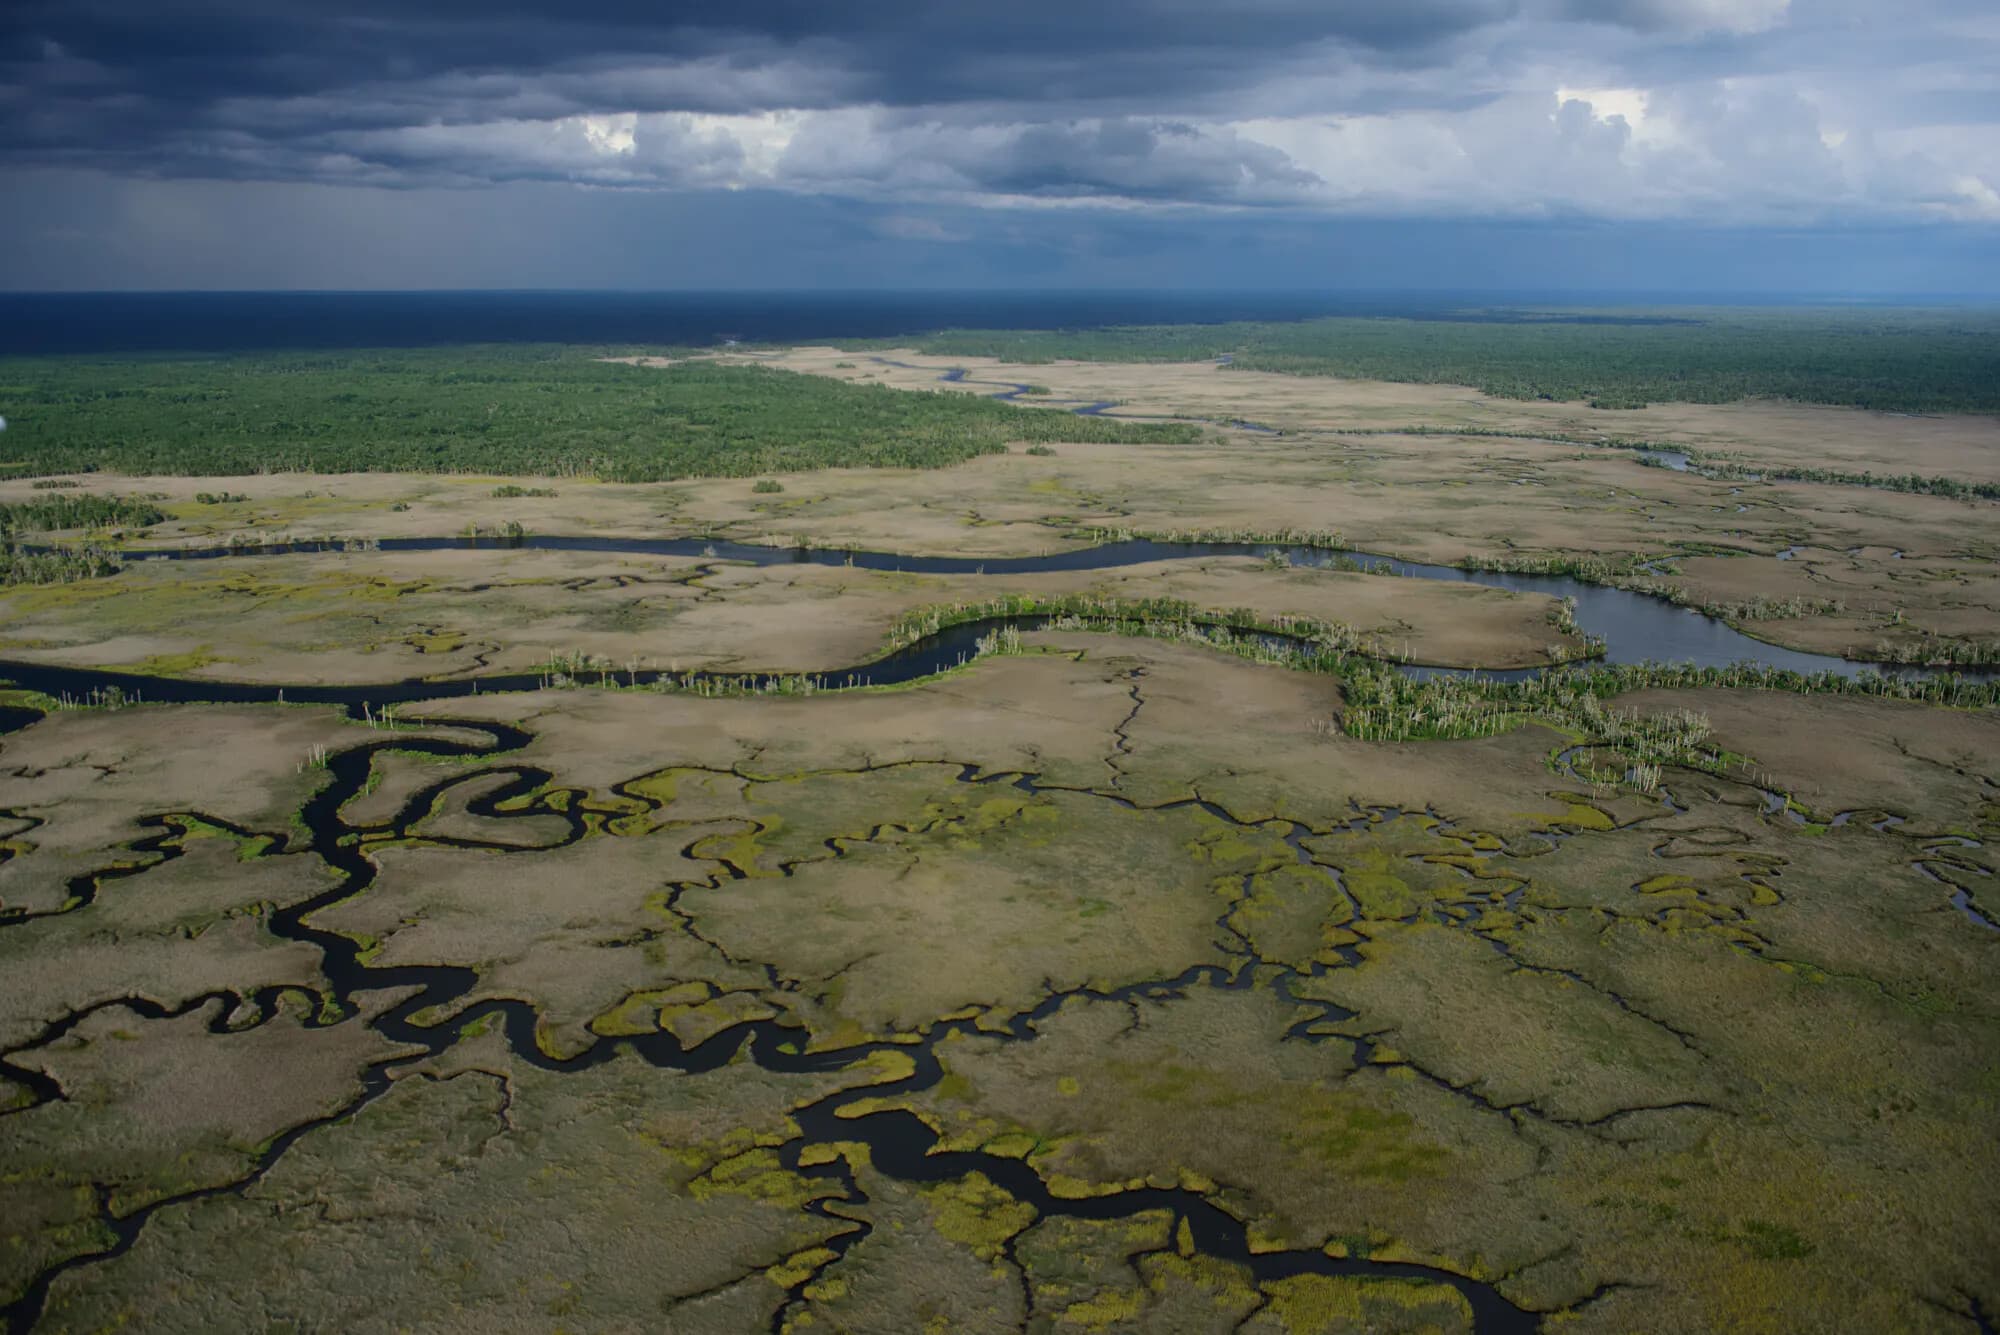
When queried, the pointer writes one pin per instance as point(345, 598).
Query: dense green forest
point(62, 565)
point(1894, 360)
point(82, 511)
point(510, 410)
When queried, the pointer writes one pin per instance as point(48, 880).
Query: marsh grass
point(1384, 704)
point(1563, 618)
point(1241, 629)
point(1761, 608)
point(1637, 746)
point(1938, 651)
point(1644, 448)
point(1590, 569)
point(576, 669)
point(1650, 454)
point(1005, 640)
point(1282, 537)
point(1915, 483)
point(785, 684)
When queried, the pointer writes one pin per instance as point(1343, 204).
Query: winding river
point(1636, 627)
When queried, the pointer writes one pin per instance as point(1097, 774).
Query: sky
point(1805, 146)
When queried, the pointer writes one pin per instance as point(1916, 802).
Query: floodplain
point(930, 899)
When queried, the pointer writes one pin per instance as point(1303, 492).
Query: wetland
point(1186, 848)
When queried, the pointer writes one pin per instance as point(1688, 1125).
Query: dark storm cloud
point(1139, 160)
point(293, 89)
point(906, 51)
point(1134, 159)
point(89, 63)
point(1763, 109)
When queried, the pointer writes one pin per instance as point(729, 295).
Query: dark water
point(13, 718)
point(112, 322)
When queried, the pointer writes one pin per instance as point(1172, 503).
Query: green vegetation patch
point(46, 514)
point(524, 411)
point(1310, 1304)
point(60, 512)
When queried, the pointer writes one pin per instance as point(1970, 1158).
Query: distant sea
point(117, 322)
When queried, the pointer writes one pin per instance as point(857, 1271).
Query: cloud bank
point(1796, 113)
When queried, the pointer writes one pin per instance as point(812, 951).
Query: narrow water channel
point(1636, 627)
point(899, 1144)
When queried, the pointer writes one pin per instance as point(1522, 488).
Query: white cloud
point(609, 134)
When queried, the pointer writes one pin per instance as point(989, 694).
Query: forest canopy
point(506, 410)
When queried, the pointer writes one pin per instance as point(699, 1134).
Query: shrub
point(59, 512)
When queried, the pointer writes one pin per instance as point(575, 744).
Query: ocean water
point(119, 322)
